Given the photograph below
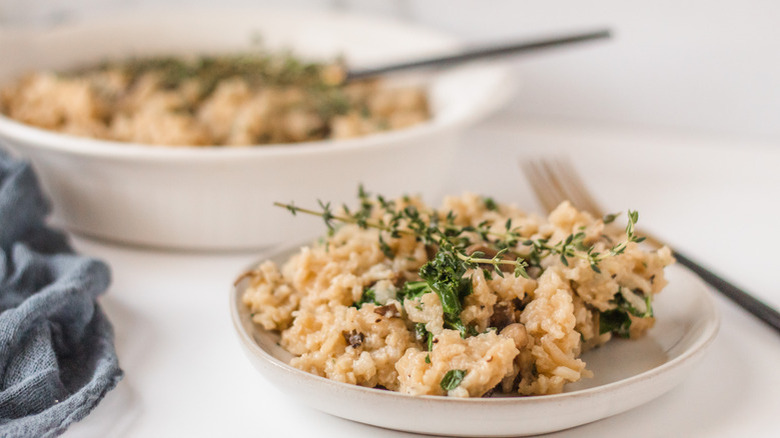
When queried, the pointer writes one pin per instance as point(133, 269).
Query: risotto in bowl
point(126, 156)
point(477, 302)
point(243, 99)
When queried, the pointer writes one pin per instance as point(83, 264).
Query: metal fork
point(555, 180)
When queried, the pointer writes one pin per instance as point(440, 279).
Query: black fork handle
point(745, 300)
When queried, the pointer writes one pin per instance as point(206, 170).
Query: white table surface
point(715, 198)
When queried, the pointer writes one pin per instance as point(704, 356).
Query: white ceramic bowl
point(627, 374)
point(221, 198)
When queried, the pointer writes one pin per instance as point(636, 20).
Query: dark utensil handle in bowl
point(481, 53)
point(745, 300)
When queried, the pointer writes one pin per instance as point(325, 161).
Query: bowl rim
point(709, 331)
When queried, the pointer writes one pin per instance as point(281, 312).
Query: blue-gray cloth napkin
point(57, 357)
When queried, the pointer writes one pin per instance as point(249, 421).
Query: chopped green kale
point(617, 320)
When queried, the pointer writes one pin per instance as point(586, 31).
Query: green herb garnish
point(490, 204)
point(617, 320)
point(444, 275)
point(412, 290)
point(452, 379)
point(450, 286)
point(256, 68)
point(423, 335)
point(368, 296)
point(609, 218)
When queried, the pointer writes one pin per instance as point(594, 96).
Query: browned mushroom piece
point(354, 338)
point(430, 251)
point(398, 279)
point(388, 310)
point(492, 391)
point(517, 333)
point(503, 315)
point(520, 304)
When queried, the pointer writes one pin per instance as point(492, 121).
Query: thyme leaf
point(490, 204)
point(452, 379)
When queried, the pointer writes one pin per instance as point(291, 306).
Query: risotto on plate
point(473, 299)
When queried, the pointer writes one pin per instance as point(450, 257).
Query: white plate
point(627, 374)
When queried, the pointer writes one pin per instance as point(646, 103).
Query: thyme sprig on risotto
point(444, 235)
point(444, 273)
point(321, 82)
point(574, 246)
point(441, 232)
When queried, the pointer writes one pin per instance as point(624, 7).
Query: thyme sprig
point(446, 236)
point(574, 246)
point(429, 229)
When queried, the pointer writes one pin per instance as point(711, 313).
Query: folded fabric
point(57, 357)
